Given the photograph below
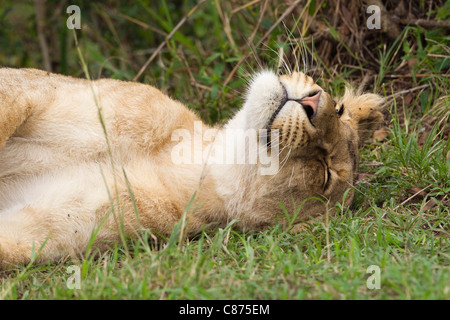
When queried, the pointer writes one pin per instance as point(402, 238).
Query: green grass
point(399, 220)
point(409, 248)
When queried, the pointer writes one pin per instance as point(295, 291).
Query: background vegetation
point(202, 53)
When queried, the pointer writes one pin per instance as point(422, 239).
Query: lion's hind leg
point(17, 100)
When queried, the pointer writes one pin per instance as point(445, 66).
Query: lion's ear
point(363, 111)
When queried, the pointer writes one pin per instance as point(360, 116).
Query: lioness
point(78, 156)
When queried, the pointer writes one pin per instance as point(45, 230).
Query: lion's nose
point(311, 101)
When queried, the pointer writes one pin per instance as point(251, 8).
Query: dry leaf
point(408, 98)
point(412, 62)
point(363, 176)
point(417, 191)
point(380, 134)
point(430, 204)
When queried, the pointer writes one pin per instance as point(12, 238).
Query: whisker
point(284, 161)
point(292, 174)
point(289, 39)
point(280, 58)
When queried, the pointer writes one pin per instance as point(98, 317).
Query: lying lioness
point(78, 156)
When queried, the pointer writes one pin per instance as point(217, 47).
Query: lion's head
point(318, 139)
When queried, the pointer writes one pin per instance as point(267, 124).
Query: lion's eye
point(340, 110)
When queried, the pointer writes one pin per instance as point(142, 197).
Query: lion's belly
point(22, 157)
point(36, 173)
point(72, 187)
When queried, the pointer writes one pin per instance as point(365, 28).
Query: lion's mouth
point(310, 104)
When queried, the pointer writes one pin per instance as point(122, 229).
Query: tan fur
point(62, 177)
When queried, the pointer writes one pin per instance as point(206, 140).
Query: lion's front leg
point(32, 234)
point(133, 211)
point(12, 254)
point(48, 235)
